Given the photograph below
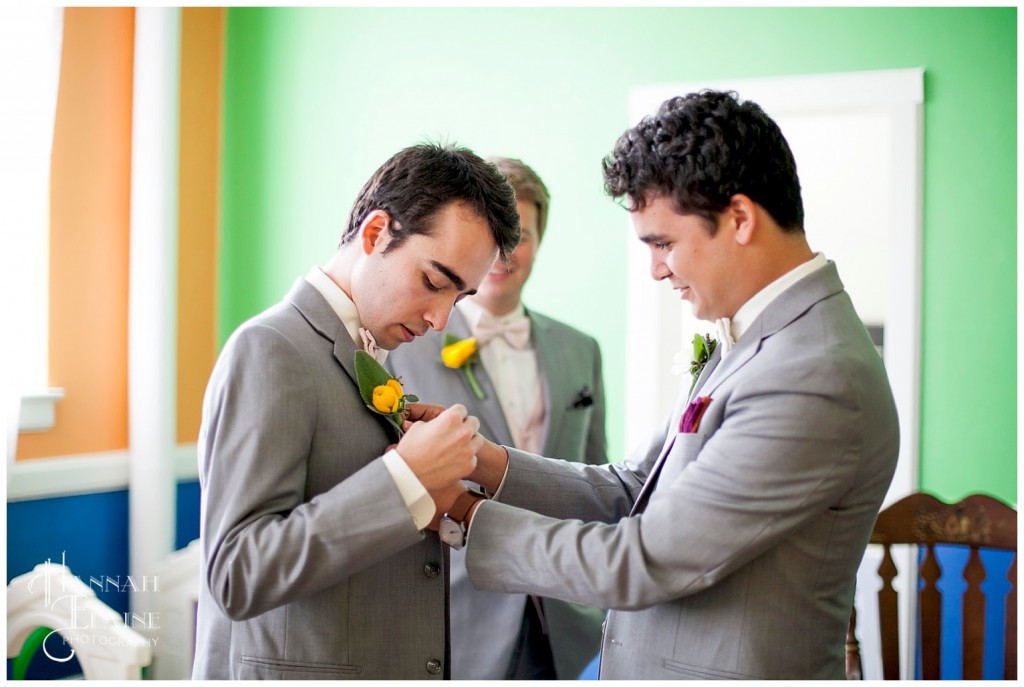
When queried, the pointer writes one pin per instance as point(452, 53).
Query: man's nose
point(659, 270)
point(438, 314)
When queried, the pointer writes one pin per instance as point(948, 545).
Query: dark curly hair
point(702, 148)
point(418, 182)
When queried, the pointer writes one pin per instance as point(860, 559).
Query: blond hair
point(528, 187)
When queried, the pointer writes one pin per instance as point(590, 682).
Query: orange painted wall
point(89, 230)
point(202, 59)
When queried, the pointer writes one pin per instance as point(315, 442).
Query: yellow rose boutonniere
point(387, 398)
point(381, 392)
point(462, 354)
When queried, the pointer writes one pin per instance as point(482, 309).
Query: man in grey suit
point(315, 562)
point(727, 547)
point(542, 391)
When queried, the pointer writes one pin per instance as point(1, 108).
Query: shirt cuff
point(416, 497)
point(473, 509)
point(501, 484)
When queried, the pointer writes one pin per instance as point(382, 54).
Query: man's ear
point(373, 230)
point(744, 215)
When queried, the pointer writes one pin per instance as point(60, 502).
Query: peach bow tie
point(516, 332)
point(371, 347)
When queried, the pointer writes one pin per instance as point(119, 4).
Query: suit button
point(431, 570)
point(433, 666)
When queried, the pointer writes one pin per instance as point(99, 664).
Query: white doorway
point(857, 139)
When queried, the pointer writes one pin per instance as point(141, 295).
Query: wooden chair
point(978, 522)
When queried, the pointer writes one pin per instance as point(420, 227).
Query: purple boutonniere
point(690, 421)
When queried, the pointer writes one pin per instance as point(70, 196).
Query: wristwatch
point(453, 525)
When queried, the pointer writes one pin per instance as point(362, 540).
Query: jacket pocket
point(702, 673)
point(685, 448)
point(258, 668)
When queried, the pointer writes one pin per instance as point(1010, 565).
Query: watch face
point(450, 532)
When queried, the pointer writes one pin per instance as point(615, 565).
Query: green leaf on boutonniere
point(703, 347)
point(382, 393)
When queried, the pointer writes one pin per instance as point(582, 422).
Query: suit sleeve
point(763, 474)
point(567, 489)
point(265, 541)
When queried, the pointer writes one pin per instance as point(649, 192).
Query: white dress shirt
point(749, 311)
point(415, 495)
point(517, 378)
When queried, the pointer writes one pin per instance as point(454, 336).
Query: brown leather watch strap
point(460, 509)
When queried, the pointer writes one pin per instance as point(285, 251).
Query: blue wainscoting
point(89, 534)
point(187, 514)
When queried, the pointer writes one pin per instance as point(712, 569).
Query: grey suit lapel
point(304, 297)
point(677, 414)
point(666, 448)
point(790, 305)
point(492, 418)
point(705, 374)
point(652, 479)
point(551, 376)
point(734, 360)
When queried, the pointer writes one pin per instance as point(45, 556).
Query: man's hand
point(442, 451)
point(492, 461)
point(444, 499)
point(420, 412)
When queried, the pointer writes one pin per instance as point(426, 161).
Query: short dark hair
point(528, 186)
point(418, 182)
point(701, 149)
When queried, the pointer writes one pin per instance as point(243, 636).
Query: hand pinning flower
point(703, 347)
point(381, 392)
point(462, 354)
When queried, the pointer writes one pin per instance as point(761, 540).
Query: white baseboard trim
point(186, 467)
point(84, 474)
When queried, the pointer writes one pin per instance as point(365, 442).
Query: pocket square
point(583, 398)
point(690, 421)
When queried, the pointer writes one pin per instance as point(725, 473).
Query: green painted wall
point(318, 98)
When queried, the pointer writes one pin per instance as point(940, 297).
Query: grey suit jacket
point(311, 564)
point(486, 625)
point(740, 559)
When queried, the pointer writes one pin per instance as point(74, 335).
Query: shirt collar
point(339, 301)
point(749, 311)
